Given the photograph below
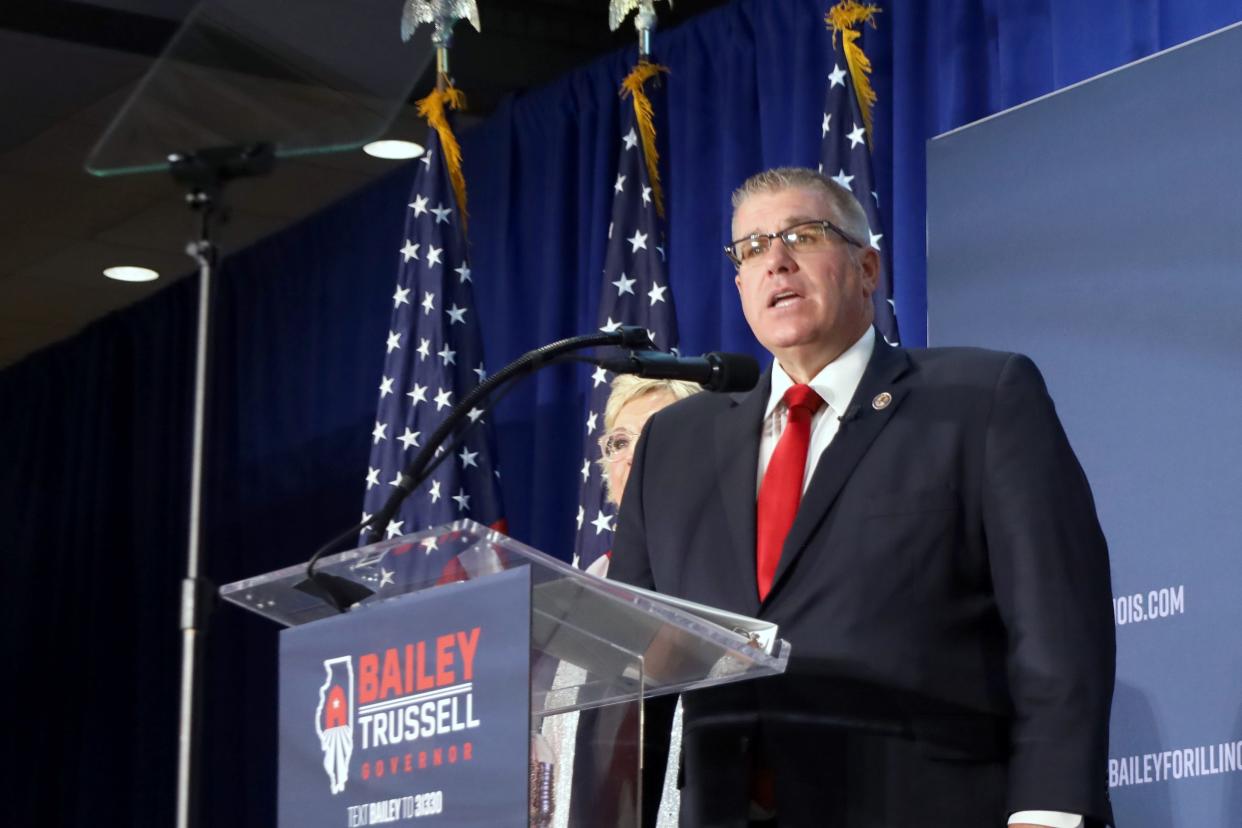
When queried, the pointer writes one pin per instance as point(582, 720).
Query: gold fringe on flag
point(433, 108)
point(643, 112)
point(843, 18)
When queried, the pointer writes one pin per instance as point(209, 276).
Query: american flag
point(635, 292)
point(434, 357)
point(845, 156)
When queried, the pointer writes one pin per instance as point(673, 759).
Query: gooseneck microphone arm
point(341, 592)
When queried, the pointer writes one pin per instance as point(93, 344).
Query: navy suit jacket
point(945, 588)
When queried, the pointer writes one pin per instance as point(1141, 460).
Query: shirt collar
point(835, 383)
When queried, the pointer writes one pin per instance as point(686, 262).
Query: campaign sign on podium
point(385, 721)
point(399, 710)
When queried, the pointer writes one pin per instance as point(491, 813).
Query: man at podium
point(917, 524)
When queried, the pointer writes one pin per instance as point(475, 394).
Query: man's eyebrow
point(790, 221)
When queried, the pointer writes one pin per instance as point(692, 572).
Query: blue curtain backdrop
point(94, 431)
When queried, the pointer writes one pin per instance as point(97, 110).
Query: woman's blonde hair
point(627, 387)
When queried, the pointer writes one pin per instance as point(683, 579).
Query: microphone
point(716, 371)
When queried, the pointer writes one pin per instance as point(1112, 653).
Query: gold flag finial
point(633, 85)
point(844, 19)
point(434, 108)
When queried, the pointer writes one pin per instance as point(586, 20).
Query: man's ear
point(870, 265)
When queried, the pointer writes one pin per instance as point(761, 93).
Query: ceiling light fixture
point(130, 273)
point(393, 150)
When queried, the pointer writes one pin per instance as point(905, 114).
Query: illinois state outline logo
point(334, 720)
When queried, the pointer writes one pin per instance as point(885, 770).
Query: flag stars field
point(435, 268)
point(849, 155)
point(634, 291)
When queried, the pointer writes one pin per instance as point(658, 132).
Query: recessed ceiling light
point(129, 273)
point(393, 150)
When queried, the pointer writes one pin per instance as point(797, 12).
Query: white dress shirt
point(836, 385)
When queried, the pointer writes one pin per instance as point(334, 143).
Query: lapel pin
point(881, 401)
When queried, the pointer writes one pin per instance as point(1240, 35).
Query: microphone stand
point(204, 173)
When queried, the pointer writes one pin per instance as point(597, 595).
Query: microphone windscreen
point(736, 372)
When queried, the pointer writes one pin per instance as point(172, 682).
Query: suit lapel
point(737, 464)
point(862, 422)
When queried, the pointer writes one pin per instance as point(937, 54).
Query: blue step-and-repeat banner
point(1099, 230)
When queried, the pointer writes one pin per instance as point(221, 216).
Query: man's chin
point(792, 344)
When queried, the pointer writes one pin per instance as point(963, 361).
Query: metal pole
point(195, 593)
point(644, 22)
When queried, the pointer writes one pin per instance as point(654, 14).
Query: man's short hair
point(848, 213)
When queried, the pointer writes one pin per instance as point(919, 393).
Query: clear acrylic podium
point(594, 644)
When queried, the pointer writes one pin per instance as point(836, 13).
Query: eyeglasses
point(618, 444)
point(803, 237)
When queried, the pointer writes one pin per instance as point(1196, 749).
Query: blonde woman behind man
point(630, 404)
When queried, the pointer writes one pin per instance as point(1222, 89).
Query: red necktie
point(781, 489)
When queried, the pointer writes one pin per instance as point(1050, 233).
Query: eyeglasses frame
point(603, 439)
point(771, 237)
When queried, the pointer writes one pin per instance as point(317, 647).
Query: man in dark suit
point(919, 527)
